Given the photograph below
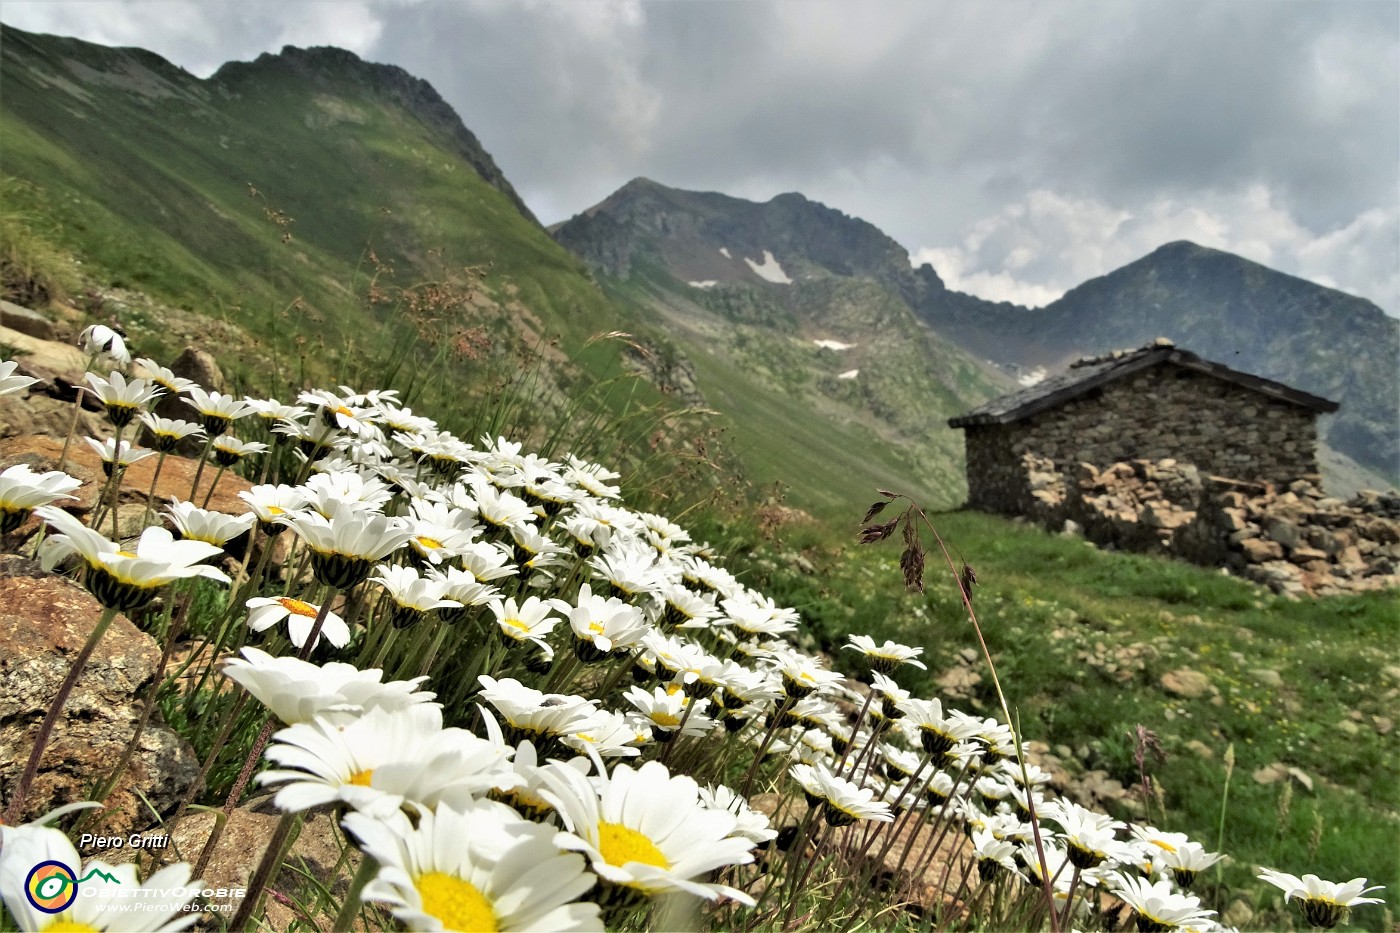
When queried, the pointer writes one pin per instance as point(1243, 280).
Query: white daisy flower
point(216, 410)
point(99, 338)
point(937, 733)
point(229, 451)
point(1158, 907)
point(299, 691)
point(646, 829)
point(533, 714)
point(216, 528)
point(1089, 835)
point(530, 620)
point(270, 503)
point(120, 579)
point(602, 624)
point(995, 856)
point(167, 433)
point(114, 455)
point(383, 760)
point(846, 802)
point(22, 490)
point(753, 825)
point(885, 658)
point(163, 377)
point(1324, 903)
point(481, 867)
point(610, 734)
point(9, 382)
point(123, 399)
point(664, 710)
point(413, 595)
point(346, 543)
point(266, 611)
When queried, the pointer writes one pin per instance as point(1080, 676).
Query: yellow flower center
point(665, 719)
point(342, 410)
point(276, 510)
point(456, 903)
point(620, 845)
point(432, 544)
point(595, 627)
point(516, 624)
point(672, 689)
point(297, 607)
point(1163, 844)
point(68, 926)
point(126, 553)
point(362, 778)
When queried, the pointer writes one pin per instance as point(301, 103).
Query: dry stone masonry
point(1157, 450)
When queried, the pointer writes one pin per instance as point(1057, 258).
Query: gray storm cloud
point(1021, 147)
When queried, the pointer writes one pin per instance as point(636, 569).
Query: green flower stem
point(230, 720)
point(855, 730)
point(148, 699)
point(117, 470)
point(155, 480)
point(199, 470)
point(431, 655)
point(249, 765)
point(344, 921)
point(77, 409)
point(41, 741)
point(763, 748)
point(267, 870)
point(214, 485)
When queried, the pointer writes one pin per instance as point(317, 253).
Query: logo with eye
point(51, 887)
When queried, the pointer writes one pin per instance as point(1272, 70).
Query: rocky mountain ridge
point(1234, 311)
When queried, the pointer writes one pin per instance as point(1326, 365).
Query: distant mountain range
point(832, 361)
point(1227, 308)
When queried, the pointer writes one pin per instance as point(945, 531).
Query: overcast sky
point(1021, 147)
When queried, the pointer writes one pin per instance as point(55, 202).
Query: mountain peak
point(330, 67)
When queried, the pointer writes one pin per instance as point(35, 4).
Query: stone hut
point(1157, 402)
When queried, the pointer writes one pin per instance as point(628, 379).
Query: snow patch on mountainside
point(724, 251)
point(849, 374)
point(828, 344)
point(769, 270)
point(708, 283)
point(1031, 378)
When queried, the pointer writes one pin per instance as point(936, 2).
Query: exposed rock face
point(44, 622)
point(1294, 541)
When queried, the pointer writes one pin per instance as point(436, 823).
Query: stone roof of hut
point(1091, 372)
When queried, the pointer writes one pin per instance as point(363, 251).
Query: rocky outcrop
point(44, 622)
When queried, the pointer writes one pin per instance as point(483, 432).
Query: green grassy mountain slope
point(808, 309)
point(276, 194)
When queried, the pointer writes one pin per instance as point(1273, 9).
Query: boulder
point(45, 358)
point(1259, 550)
point(44, 622)
point(1186, 683)
point(176, 476)
point(30, 323)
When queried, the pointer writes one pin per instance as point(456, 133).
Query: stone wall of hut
point(1163, 412)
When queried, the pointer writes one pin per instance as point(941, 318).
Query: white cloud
point(1035, 249)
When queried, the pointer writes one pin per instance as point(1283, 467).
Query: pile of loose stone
point(1294, 540)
